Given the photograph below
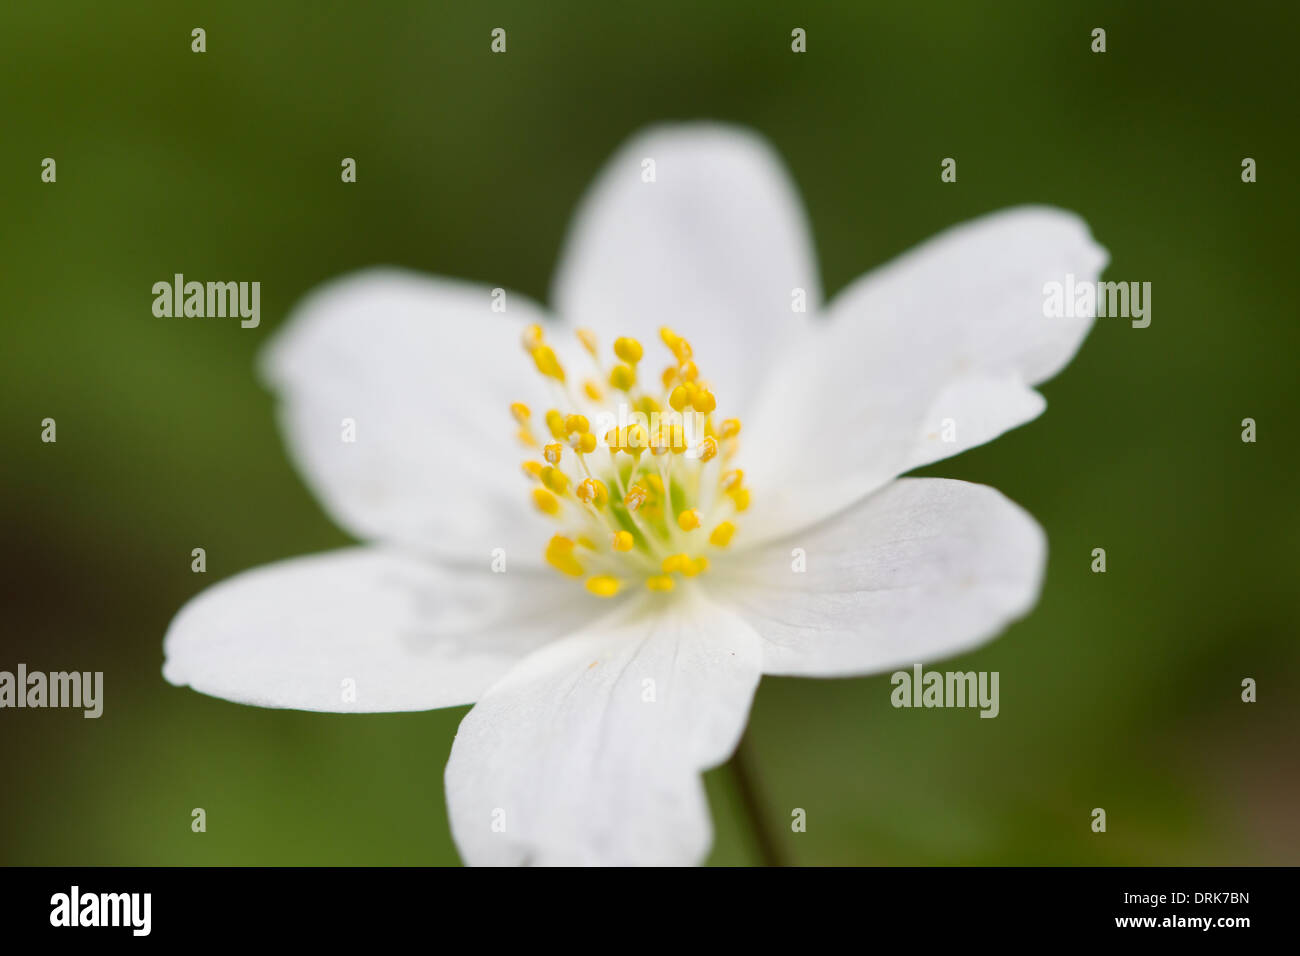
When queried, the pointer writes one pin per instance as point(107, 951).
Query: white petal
point(922, 569)
point(426, 371)
point(590, 751)
point(408, 634)
point(930, 355)
point(713, 248)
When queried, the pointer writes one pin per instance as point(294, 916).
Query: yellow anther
point(730, 427)
point(635, 440)
point(546, 502)
point(732, 479)
point(688, 520)
point(532, 338)
point(659, 582)
point(691, 568)
point(546, 362)
point(526, 438)
point(552, 452)
point(575, 423)
point(555, 424)
point(703, 400)
point(655, 483)
point(669, 376)
point(668, 336)
point(623, 541)
point(555, 480)
point(592, 492)
point(584, 443)
point(559, 555)
point(592, 388)
point(622, 377)
point(681, 349)
point(647, 406)
point(521, 412)
point(585, 542)
point(708, 449)
point(629, 350)
point(689, 372)
point(740, 498)
point(635, 497)
point(588, 340)
point(675, 562)
point(533, 469)
point(680, 397)
point(720, 536)
point(604, 585)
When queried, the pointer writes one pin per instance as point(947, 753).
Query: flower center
point(637, 475)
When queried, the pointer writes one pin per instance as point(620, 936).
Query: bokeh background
point(1121, 691)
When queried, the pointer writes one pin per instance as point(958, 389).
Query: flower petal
point(426, 371)
point(953, 330)
point(409, 635)
point(590, 750)
point(713, 247)
point(923, 569)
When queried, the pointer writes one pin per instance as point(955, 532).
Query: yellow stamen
point(555, 480)
point(622, 377)
point(559, 555)
point(658, 499)
point(546, 502)
point(547, 363)
point(555, 424)
point(691, 568)
point(604, 585)
point(629, 350)
point(635, 497)
point(675, 562)
point(592, 492)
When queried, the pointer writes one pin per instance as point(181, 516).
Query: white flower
point(597, 707)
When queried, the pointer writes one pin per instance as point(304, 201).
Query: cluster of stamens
point(638, 476)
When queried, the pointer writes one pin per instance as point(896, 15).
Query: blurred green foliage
point(1120, 691)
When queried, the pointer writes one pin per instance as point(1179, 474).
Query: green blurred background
point(1121, 691)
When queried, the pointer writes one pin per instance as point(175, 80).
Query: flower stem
point(742, 766)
